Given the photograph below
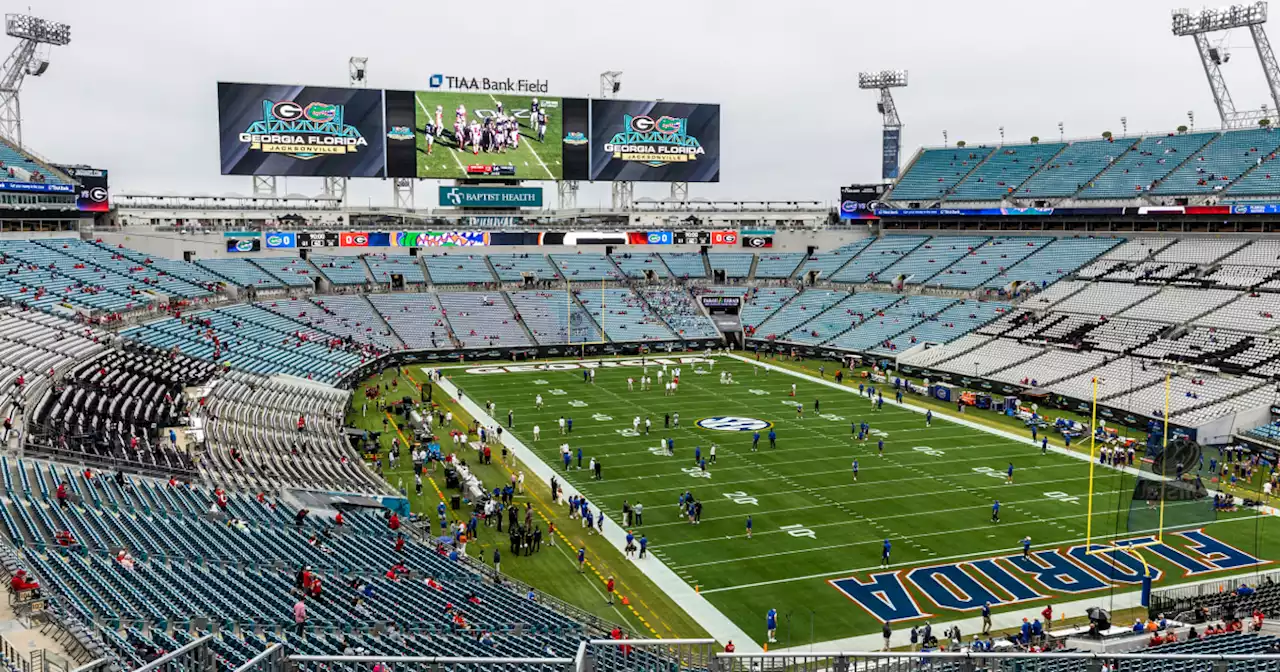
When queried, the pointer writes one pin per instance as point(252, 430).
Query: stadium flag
point(900, 281)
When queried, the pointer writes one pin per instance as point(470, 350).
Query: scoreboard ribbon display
point(757, 242)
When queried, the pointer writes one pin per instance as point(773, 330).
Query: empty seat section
point(458, 269)
point(482, 320)
point(416, 319)
point(936, 171)
point(1006, 168)
point(1221, 162)
point(880, 255)
point(1139, 170)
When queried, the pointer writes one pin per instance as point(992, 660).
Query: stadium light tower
point(25, 59)
point(622, 192)
point(1199, 26)
point(891, 139)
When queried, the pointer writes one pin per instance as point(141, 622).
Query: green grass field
point(533, 160)
point(930, 494)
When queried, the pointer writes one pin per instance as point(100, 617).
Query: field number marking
point(929, 451)
point(741, 497)
point(1062, 497)
point(799, 531)
point(696, 472)
point(577, 403)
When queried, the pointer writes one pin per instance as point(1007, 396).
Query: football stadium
point(1012, 406)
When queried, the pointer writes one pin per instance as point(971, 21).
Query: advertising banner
point(757, 242)
point(860, 201)
point(244, 244)
point(647, 141)
point(268, 129)
point(724, 237)
point(281, 240)
point(94, 195)
point(37, 187)
point(453, 135)
point(438, 239)
point(491, 197)
point(575, 147)
point(890, 142)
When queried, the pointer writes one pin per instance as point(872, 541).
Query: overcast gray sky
point(135, 90)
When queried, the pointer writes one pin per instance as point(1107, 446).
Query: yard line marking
point(986, 526)
point(446, 150)
point(530, 146)
point(962, 556)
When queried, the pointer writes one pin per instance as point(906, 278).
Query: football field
point(533, 160)
point(818, 537)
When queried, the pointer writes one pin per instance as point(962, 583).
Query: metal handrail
point(266, 653)
point(437, 660)
point(93, 665)
point(175, 654)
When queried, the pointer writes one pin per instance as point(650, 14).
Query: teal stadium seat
point(1135, 173)
point(935, 171)
point(1073, 167)
point(1221, 162)
point(1001, 174)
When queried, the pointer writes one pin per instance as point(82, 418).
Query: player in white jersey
point(439, 120)
point(475, 138)
point(541, 120)
point(499, 108)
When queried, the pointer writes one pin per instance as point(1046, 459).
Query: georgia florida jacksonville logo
point(302, 131)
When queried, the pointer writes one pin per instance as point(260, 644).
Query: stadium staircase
point(382, 321)
point(514, 311)
point(751, 274)
point(599, 324)
point(368, 272)
point(706, 264)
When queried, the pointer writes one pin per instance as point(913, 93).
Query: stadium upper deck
point(1155, 168)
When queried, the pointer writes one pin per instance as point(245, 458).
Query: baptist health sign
point(490, 197)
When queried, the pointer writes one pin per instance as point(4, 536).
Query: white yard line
point(1002, 620)
point(529, 144)
point(707, 615)
point(446, 150)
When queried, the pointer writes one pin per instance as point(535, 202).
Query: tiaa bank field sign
point(490, 197)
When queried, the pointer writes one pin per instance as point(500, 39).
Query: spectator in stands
point(20, 582)
point(299, 617)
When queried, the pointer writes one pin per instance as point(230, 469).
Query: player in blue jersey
point(1008, 478)
point(928, 418)
point(884, 553)
point(855, 471)
point(748, 526)
point(755, 441)
point(771, 624)
point(582, 559)
point(1044, 446)
point(1026, 546)
point(881, 447)
point(995, 511)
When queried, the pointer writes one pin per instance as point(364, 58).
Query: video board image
point(289, 130)
point(647, 141)
point(478, 136)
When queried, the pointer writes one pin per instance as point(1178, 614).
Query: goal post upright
point(1093, 440)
